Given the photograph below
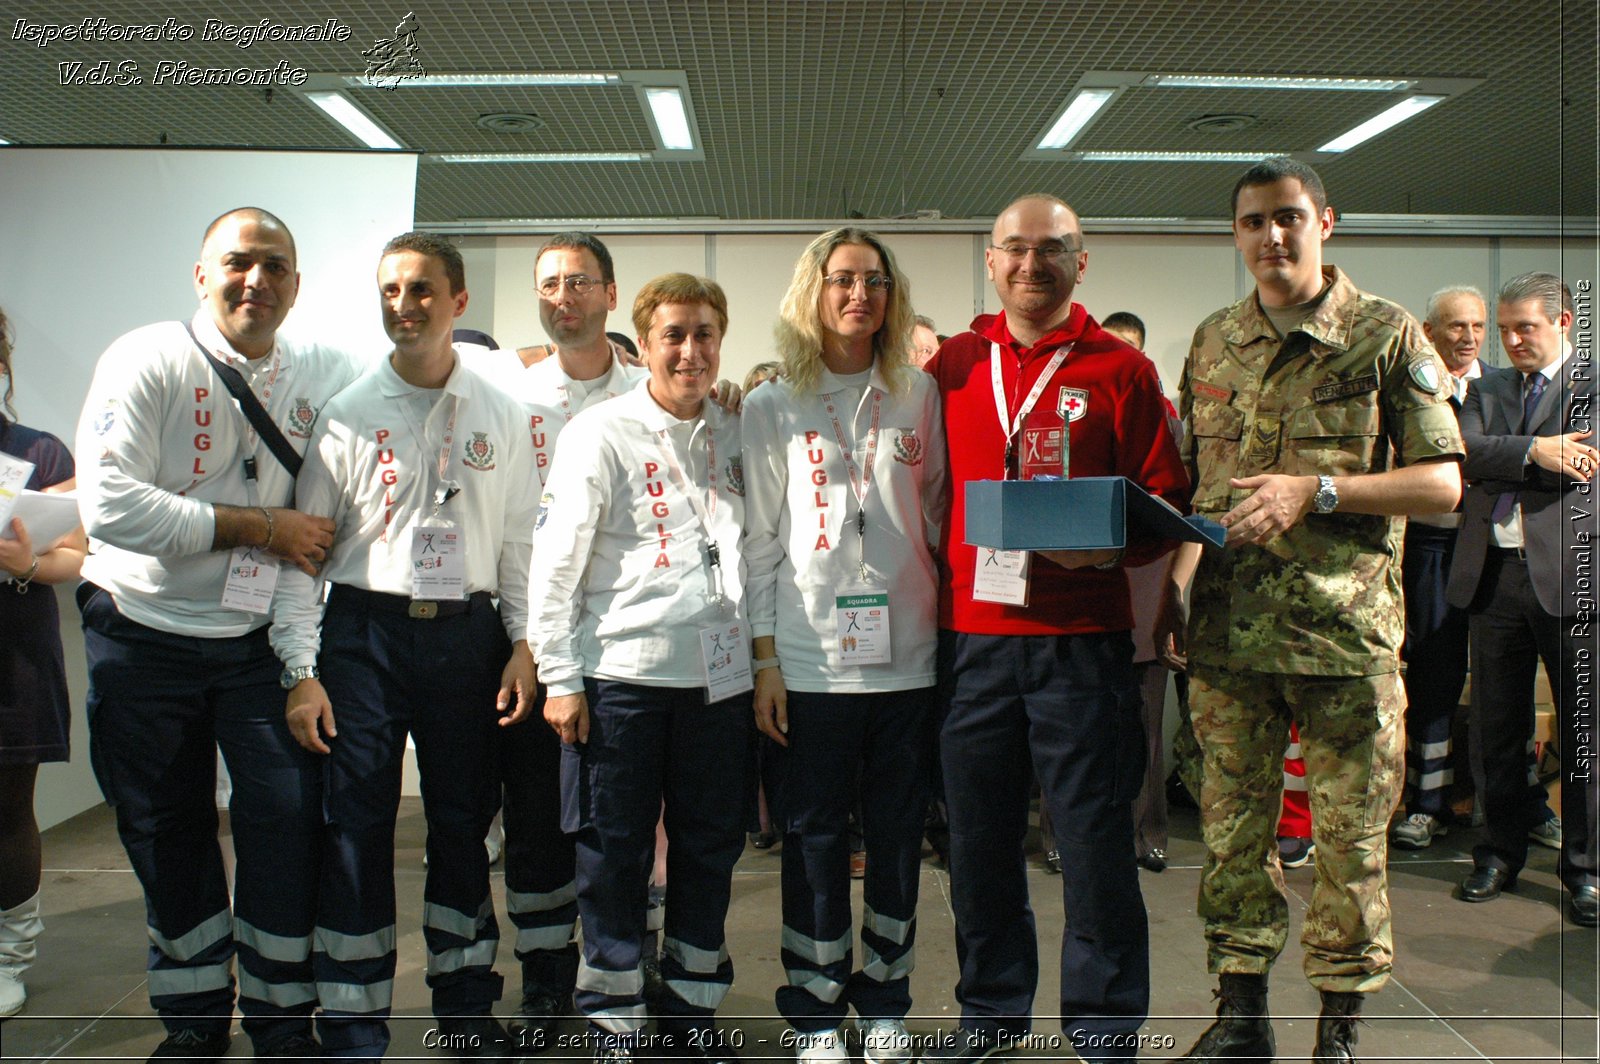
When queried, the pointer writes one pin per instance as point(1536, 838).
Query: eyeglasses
point(1050, 249)
point(576, 283)
point(846, 282)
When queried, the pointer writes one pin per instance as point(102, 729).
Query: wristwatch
point(291, 677)
point(1327, 498)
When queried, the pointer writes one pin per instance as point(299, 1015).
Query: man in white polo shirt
point(427, 473)
point(188, 505)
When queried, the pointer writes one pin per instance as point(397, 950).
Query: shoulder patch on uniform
point(1345, 389)
point(1425, 371)
point(1216, 393)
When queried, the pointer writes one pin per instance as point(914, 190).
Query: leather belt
point(416, 609)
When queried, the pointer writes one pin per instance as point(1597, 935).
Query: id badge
point(14, 474)
point(1001, 576)
point(252, 577)
point(862, 620)
point(725, 661)
point(438, 562)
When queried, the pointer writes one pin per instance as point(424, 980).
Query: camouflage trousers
point(1352, 737)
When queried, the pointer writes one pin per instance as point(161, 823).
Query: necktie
point(1534, 388)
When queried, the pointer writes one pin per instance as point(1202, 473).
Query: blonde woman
point(844, 467)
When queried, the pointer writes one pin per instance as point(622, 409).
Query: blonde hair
point(760, 373)
point(799, 331)
point(683, 288)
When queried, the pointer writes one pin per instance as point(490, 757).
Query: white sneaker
point(885, 1042)
point(820, 1047)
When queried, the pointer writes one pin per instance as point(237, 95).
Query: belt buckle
point(422, 610)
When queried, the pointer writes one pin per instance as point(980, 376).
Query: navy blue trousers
point(648, 745)
point(160, 705)
point(1067, 709)
point(842, 746)
point(1436, 667)
point(387, 674)
point(541, 894)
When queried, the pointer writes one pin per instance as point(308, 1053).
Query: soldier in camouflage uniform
point(1317, 415)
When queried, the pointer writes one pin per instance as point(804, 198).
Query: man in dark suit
point(1524, 569)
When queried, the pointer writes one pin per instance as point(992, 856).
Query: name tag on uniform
point(438, 562)
point(252, 577)
point(725, 661)
point(1001, 576)
point(863, 623)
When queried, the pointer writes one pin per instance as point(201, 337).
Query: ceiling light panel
point(672, 118)
point(541, 157)
point(1080, 111)
point(1236, 81)
point(527, 78)
point(1384, 120)
point(338, 107)
point(1175, 156)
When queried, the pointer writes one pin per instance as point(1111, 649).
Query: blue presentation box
point(1084, 513)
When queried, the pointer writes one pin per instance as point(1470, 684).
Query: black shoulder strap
point(251, 407)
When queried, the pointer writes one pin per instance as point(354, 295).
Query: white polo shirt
point(620, 586)
point(374, 469)
point(160, 440)
point(801, 543)
point(550, 397)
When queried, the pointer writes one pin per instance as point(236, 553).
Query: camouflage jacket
point(1356, 389)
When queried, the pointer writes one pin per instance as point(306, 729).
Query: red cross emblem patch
point(1072, 403)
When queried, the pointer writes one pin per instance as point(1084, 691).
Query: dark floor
point(1511, 980)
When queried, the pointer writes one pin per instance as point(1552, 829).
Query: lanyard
point(447, 489)
point(701, 510)
point(1008, 428)
point(860, 479)
point(251, 437)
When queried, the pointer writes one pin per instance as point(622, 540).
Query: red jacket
point(1124, 432)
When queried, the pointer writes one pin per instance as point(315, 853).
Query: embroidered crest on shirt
point(907, 447)
point(735, 472)
point(302, 416)
point(479, 453)
point(544, 510)
point(1072, 403)
point(106, 419)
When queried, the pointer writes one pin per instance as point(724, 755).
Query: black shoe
point(193, 1043)
point(1336, 1028)
point(1154, 859)
point(1243, 1030)
point(1052, 862)
point(536, 1018)
point(1486, 882)
point(475, 1038)
point(965, 1046)
point(1584, 906)
point(294, 1047)
point(1295, 852)
point(763, 840)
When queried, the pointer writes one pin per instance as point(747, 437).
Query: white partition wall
point(99, 241)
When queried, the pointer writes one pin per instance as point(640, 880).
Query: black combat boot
point(1336, 1028)
point(1243, 1030)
